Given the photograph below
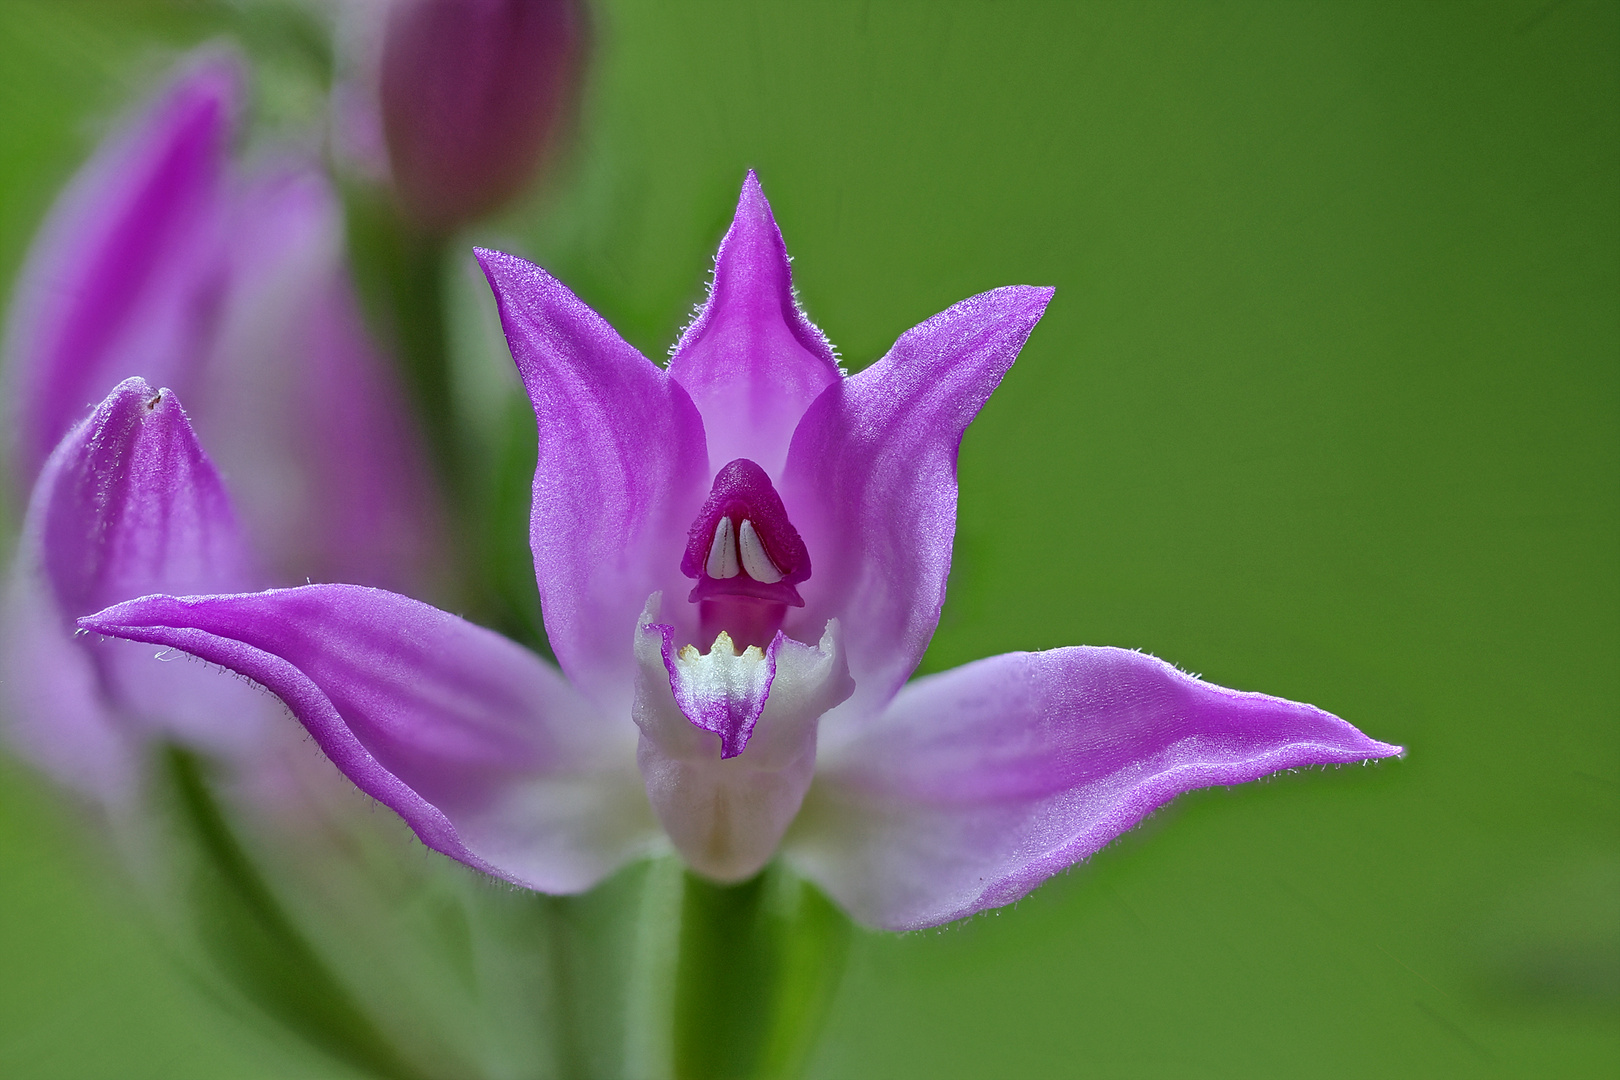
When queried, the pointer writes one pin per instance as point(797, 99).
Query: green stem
point(254, 941)
point(400, 274)
point(759, 963)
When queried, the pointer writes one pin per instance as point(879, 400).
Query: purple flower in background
point(741, 560)
point(458, 102)
point(474, 93)
point(127, 505)
point(163, 261)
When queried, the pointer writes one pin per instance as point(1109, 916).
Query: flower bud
point(473, 94)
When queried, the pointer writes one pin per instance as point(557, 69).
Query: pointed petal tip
point(508, 269)
point(216, 69)
point(1034, 297)
point(213, 77)
point(751, 199)
point(136, 395)
point(490, 260)
point(1379, 750)
point(753, 224)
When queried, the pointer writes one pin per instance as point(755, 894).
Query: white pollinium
point(727, 816)
point(755, 559)
point(722, 562)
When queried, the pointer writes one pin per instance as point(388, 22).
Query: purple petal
point(299, 408)
point(55, 713)
point(751, 359)
point(484, 750)
point(871, 483)
point(979, 783)
point(622, 471)
point(123, 277)
point(127, 505)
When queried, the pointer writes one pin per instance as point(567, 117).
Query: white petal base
point(727, 815)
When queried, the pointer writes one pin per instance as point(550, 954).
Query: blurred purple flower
point(459, 102)
point(127, 505)
point(911, 804)
point(162, 261)
point(473, 94)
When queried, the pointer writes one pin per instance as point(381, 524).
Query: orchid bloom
point(741, 559)
point(162, 259)
point(166, 260)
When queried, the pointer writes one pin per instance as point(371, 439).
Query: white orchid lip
point(728, 738)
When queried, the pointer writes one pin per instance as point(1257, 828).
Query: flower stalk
point(759, 964)
point(252, 939)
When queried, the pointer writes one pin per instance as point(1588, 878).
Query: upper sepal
point(752, 361)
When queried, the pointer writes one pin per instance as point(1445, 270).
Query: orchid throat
point(746, 556)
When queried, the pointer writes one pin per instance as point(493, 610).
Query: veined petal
point(481, 747)
point(127, 505)
point(123, 278)
point(300, 409)
point(979, 783)
point(871, 482)
point(622, 470)
point(728, 742)
point(751, 359)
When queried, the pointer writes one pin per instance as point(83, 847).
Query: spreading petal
point(979, 783)
point(299, 408)
point(622, 471)
point(482, 748)
point(751, 359)
point(728, 741)
point(127, 505)
point(123, 278)
point(871, 482)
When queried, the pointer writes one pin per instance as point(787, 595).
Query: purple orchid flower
point(741, 559)
point(128, 504)
point(162, 260)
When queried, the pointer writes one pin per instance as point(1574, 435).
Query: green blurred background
point(1326, 406)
